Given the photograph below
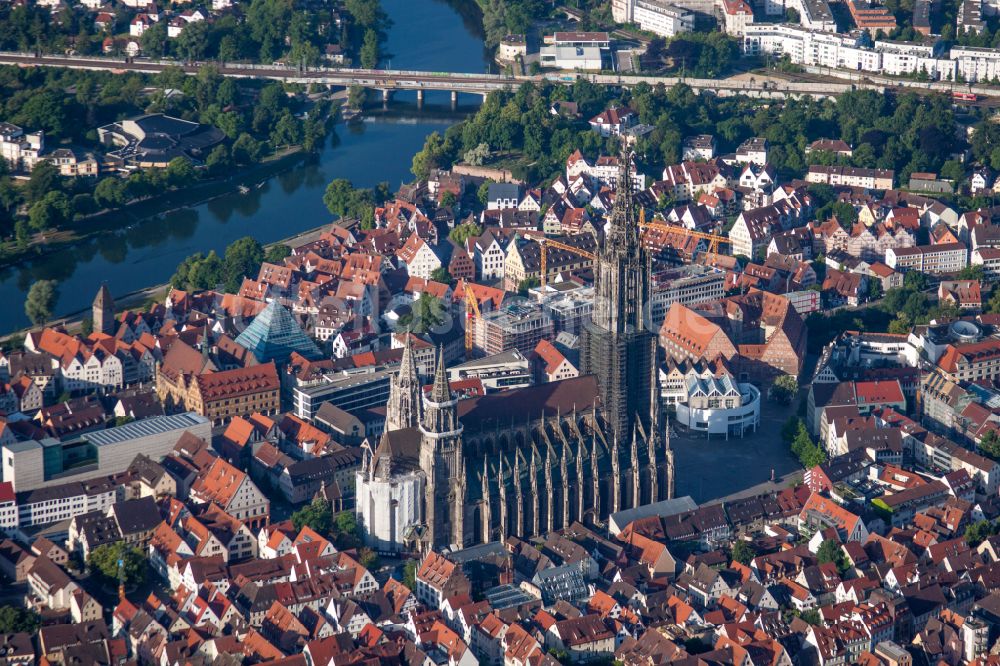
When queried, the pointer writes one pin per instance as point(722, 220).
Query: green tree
point(83, 204)
point(483, 193)
point(180, 172)
point(198, 271)
point(807, 451)
point(16, 619)
point(52, 210)
point(972, 273)
point(347, 532)
point(915, 281)
point(368, 558)
point(369, 53)
point(40, 301)
point(830, 551)
point(463, 232)
point(219, 161)
point(743, 552)
point(790, 429)
point(43, 110)
point(107, 559)
point(874, 289)
point(357, 96)
point(426, 313)
point(441, 274)
point(287, 131)
point(243, 259)
point(477, 155)
point(410, 574)
point(318, 516)
point(110, 192)
point(44, 180)
point(438, 152)
point(784, 389)
point(338, 196)
point(811, 616)
point(246, 150)
point(276, 254)
point(86, 326)
point(154, 40)
point(989, 444)
point(976, 533)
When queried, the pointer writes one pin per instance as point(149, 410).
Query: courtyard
point(716, 468)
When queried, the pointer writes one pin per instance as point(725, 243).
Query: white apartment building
point(822, 49)
point(905, 58)
point(941, 258)
point(662, 18)
point(989, 259)
point(872, 179)
point(976, 64)
point(20, 150)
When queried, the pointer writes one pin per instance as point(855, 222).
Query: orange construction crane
point(714, 240)
point(545, 242)
point(472, 314)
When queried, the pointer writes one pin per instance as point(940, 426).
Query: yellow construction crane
point(714, 240)
point(472, 314)
point(545, 242)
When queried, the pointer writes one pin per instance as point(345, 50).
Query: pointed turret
point(616, 478)
point(440, 392)
point(595, 480)
point(564, 490)
point(206, 348)
point(653, 436)
point(404, 407)
point(442, 461)
point(485, 491)
point(634, 468)
point(502, 491)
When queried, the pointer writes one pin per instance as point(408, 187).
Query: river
point(430, 35)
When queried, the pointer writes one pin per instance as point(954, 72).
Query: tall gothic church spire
point(442, 463)
point(404, 407)
point(616, 345)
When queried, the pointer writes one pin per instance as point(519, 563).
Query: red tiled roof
point(239, 381)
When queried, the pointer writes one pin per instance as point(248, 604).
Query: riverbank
point(140, 298)
point(144, 251)
point(110, 221)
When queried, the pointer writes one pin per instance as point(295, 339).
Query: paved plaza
point(710, 469)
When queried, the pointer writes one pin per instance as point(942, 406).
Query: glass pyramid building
point(274, 334)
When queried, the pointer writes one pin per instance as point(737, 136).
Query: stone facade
point(527, 461)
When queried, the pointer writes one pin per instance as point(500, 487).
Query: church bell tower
point(443, 463)
point(617, 345)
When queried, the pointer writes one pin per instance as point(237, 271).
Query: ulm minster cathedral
point(449, 473)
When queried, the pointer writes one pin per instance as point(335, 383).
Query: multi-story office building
point(689, 284)
point(518, 326)
point(33, 464)
point(350, 391)
point(662, 18)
